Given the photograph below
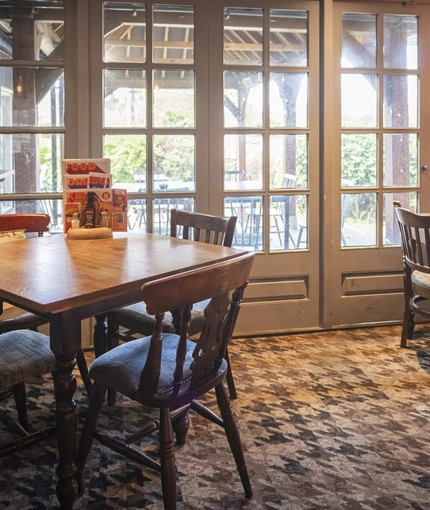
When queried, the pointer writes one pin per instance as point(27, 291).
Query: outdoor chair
point(169, 372)
point(135, 318)
point(415, 234)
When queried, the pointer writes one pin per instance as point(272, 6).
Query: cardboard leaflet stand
point(92, 209)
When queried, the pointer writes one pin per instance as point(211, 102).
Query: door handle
point(424, 169)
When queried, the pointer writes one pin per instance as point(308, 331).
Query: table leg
point(65, 333)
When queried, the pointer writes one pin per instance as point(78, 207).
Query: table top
point(52, 274)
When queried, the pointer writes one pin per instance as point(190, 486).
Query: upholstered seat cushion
point(421, 279)
point(24, 354)
point(119, 369)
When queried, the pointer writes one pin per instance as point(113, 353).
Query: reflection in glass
point(400, 41)
point(358, 40)
point(289, 100)
point(128, 160)
point(359, 100)
point(173, 99)
point(358, 219)
point(161, 212)
point(391, 226)
point(243, 99)
point(173, 163)
point(288, 222)
point(173, 34)
point(32, 96)
point(243, 36)
point(243, 162)
point(39, 36)
point(400, 101)
point(401, 159)
point(288, 161)
point(124, 32)
point(359, 159)
point(124, 98)
point(288, 37)
point(249, 227)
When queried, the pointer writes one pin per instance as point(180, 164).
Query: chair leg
point(230, 379)
point(20, 396)
point(83, 369)
point(112, 342)
point(233, 437)
point(168, 469)
point(87, 435)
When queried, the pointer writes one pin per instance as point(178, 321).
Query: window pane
point(174, 99)
point(249, 227)
point(359, 100)
point(243, 99)
point(288, 222)
point(400, 101)
point(243, 162)
point(289, 100)
point(32, 32)
point(288, 38)
point(359, 161)
point(124, 32)
point(401, 160)
point(400, 41)
point(358, 40)
point(243, 36)
point(137, 214)
point(32, 96)
point(173, 34)
point(391, 225)
point(358, 219)
point(127, 155)
point(161, 212)
point(288, 161)
point(124, 98)
point(174, 163)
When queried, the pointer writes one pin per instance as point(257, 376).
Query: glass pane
point(32, 31)
point(243, 162)
point(137, 214)
point(174, 167)
point(161, 212)
point(391, 225)
point(31, 163)
point(358, 219)
point(173, 34)
point(128, 161)
point(32, 96)
point(401, 160)
point(289, 99)
point(124, 98)
point(124, 32)
point(358, 40)
point(174, 99)
point(359, 159)
point(243, 36)
point(400, 41)
point(243, 99)
point(249, 227)
point(288, 161)
point(359, 100)
point(400, 101)
point(288, 37)
point(288, 222)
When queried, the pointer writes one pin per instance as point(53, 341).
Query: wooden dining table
point(69, 280)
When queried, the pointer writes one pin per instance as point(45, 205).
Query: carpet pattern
point(330, 420)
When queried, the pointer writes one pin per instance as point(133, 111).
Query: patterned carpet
point(333, 420)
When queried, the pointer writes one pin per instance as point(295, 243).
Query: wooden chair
point(169, 372)
point(14, 318)
point(135, 318)
point(415, 234)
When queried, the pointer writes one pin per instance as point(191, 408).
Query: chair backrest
point(202, 227)
point(179, 292)
point(415, 233)
point(29, 222)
